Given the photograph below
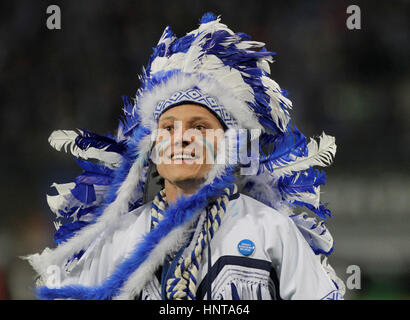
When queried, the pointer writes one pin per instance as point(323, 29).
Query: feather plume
point(94, 173)
point(278, 103)
point(302, 187)
point(66, 139)
point(305, 197)
point(282, 148)
point(63, 139)
point(321, 154)
point(306, 181)
point(88, 139)
point(129, 121)
point(315, 233)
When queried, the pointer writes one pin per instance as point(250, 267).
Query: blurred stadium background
point(354, 85)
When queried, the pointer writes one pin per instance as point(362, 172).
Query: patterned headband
point(195, 96)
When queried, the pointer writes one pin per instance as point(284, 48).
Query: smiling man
point(216, 228)
point(187, 154)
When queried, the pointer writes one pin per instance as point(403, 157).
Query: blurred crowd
point(352, 84)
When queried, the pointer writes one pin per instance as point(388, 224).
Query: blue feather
point(182, 44)
point(244, 36)
point(94, 173)
point(282, 147)
point(90, 179)
point(322, 211)
point(168, 33)
point(267, 122)
point(68, 230)
point(77, 255)
point(96, 168)
point(131, 119)
point(207, 17)
point(84, 193)
point(304, 182)
point(89, 139)
point(128, 106)
point(82, 211)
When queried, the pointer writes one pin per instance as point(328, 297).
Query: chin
point(183, 173)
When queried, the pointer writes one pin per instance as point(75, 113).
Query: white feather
point(164, 40)
point(64, 188)
point(311, 198)
point(60, 139)
point(321, 154)
point(264, 64)
point(243, 45)
point(280, 116)
point(62, 200)
point(230, 77)
point(65, 139)
point(65, 199)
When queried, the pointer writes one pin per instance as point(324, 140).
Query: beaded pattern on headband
point(195, 96)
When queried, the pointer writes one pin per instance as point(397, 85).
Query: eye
point(199, 127)
point(168, 128)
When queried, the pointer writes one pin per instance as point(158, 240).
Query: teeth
point(183, 157)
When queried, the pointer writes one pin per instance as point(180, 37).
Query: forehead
point(188, 112)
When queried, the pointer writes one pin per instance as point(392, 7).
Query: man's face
point(187, 144)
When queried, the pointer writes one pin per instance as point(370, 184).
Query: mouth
point(183, 156)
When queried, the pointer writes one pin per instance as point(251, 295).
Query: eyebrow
point(199, 118)
point(191, 119)
point(167, 118)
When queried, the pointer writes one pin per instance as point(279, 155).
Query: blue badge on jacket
point(246, 247)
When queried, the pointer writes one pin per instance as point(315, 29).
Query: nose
point(181, 136)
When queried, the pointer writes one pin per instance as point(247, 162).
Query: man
point(205, 103)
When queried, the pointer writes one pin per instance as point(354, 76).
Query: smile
point(184, 157)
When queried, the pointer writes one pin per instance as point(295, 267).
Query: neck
point(175, 190)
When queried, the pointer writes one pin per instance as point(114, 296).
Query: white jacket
point(281, 266)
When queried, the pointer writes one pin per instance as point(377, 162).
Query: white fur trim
point(175, 239)
point(236, 107)
point(266, 191)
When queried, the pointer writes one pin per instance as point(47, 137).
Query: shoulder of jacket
point(262, 214)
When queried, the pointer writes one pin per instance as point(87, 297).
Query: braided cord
point(183, 284)
point(158, 208)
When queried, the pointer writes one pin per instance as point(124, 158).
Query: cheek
point(162, 170)
point(211, 149)
point(167, 172)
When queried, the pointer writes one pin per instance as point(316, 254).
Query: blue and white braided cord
point(183, 284)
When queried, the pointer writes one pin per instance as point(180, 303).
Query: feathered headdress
point(229, 74)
